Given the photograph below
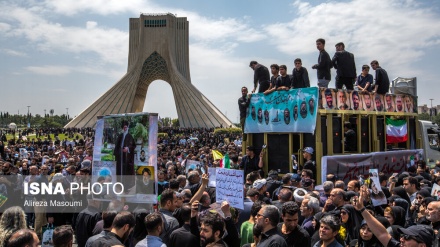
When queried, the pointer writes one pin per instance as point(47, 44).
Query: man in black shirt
point(243, 104)
point(294, 234)
point(382, 84)
point(283, 82)
point(250, 162)
point(343, 62)
point(122, 225)
point(324, 64)
point(350, 138)
point(182, 236)
point(86, 221)
point(300, 76)
point(267, 220)
point(261, 77)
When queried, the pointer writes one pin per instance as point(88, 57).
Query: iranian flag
point(225, 162)
point(397, 131)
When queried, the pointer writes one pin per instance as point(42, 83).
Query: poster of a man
point(286, 116)
point(328, 97)
point(342, 100)
point(367, 103)
point(312, 106)
point(409, 103)
point(377, 196)
point(378, 102)
point(295, 112)
point(145, 180)
point(355, 100)
point(260, 115)
point(400, 103)
point(389, 103)
point(124, 151)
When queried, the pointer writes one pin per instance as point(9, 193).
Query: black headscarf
point(400, 191)
point(399, 215)
point(354, 220)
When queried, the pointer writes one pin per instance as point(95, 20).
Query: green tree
point(175, 122)
point(424, 116)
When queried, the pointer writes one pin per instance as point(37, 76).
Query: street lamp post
point(431, 111)
point(29, 117)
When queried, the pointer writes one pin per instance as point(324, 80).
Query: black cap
point(423, 234)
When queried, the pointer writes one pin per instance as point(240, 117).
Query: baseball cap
point(259, 183)
point(295, 177)
point(420, 233)
point(308, 150)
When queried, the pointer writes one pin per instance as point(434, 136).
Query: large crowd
point(279, 210)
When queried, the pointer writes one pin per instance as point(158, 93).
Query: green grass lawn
point(52, 136)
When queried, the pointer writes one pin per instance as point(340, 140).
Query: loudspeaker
point(278, 148)
point(257, 142)
point(381, 134)
point(337, 134)
point(365, 134)
point(402, 85)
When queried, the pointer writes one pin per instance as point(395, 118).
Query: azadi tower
point(158, 50)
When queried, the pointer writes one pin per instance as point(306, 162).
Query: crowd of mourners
point(279, 210)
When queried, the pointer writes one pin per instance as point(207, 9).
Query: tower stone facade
point(158, 50)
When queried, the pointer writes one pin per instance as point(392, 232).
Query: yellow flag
point(217, 155)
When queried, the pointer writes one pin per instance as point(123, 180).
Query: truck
point(329, 135)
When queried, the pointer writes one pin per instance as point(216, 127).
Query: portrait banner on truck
point(283, 111)
point(349, 167)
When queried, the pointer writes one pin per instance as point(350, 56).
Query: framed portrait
point(356, 103)
point(378, 102)
point(343, 101)
point(390, 106)
point(328, 99)
point(367, 101)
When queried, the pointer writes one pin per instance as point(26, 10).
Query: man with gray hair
point(309, 207)
point(328, 230)
point(267, 220)
point(328, 186)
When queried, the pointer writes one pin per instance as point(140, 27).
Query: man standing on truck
point(243, 104)
point(382, 84)
point(261, 77)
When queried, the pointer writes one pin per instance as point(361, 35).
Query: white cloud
point(4, 27)
point(13, 53)
point(390, 31)
point(102, 7)
point(91, 24)
point(49, 70)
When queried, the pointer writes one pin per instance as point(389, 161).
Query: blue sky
point(64, 54)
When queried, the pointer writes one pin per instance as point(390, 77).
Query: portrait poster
point(390, 105)
point(435, 191)
point(343, 102)
point(356, 103)
point(409, 104)
point(367, 101)
point(378, 102)
point(377, 196)
point(400, 103)
point(283, 111)
point(328, 98)
point(126, 145)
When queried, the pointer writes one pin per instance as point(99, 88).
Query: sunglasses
point(343, 212)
